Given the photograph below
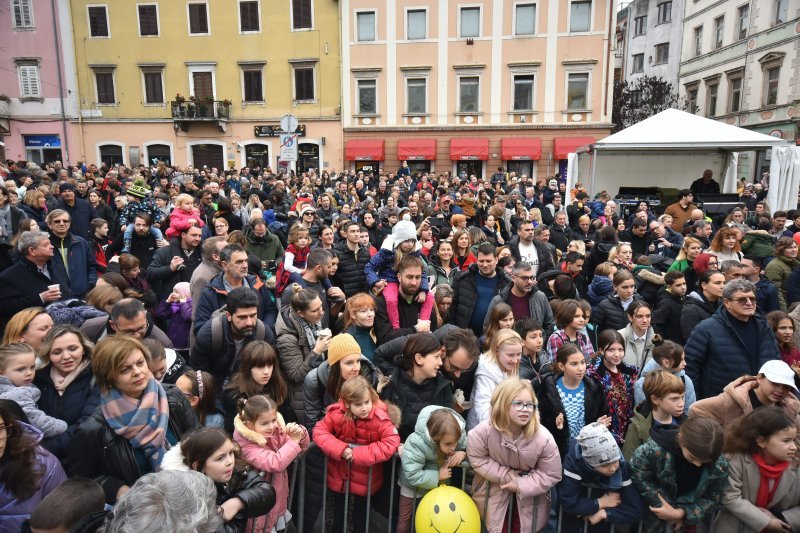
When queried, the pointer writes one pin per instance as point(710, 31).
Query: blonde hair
point(605, 268)
point(58, 331)
point(614, 252)
point(12, 350)
point(501, 338)
point(355, 389)
point(687, 241)
point(502, 397)
point(535, 215)
point(16, 327)
point(182, 198)
point(297, 232)
point(580, 245)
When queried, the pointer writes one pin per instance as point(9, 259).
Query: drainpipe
point(57, 35)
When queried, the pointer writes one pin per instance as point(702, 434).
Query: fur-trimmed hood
point(250, 435)
point(649, 275)
point(174, 460)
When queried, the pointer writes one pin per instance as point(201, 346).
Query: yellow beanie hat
point(341, 346)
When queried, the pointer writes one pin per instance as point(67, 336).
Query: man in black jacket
point(128, 317)
point(81, 211)
point(525, 248)
point(667, 314)
point(143, 244)
point(176, 262)
point(353, 259)
point(409, 272)
point(637, 237)
point(474, 289)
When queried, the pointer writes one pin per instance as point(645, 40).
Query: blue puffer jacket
point(81, 263)
point(651, 365)
point(599, 289)
point(716, 354)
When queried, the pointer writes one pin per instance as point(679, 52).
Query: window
point(29, 85)
point(698, 40)
point(416, 24)
point(525, 19)
point(22, 14)
point(743, 17)
point(735, 94)
point(304, 83)
point(98, 21)
point(580, 16)
point(202, 84)
point(253, 81)
point(640, 26)
point(148, 20)
point(110, 155)
point(367, 97)
point(153, 87)
point(416, 95)
point(104, 82)
point(691, 99)
point(719, 31)
point(468, 89)
point(781, 11)
point(470, 22)
point(665, 12)
point(365, 26)
point(523, 92)
point(638, 63)
point(771, 77)
point(662, 53)
point(198, 19)
point(712, 90)
point(301, 15)
point(249, 20)
point(577, 91)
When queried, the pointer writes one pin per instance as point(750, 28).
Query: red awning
point(469, 149)
point(416, 149)
point(364, 150)
point(521, 149)
point(566, 145)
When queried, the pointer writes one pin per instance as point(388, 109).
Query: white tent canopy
point(671, 150)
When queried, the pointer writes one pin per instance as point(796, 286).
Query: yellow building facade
point(206, 82)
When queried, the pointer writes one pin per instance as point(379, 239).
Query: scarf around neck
point(141, 422)
point(311, 330)
point(770, 478)
point(62, 382)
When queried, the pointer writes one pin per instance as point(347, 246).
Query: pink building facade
point(37, 88)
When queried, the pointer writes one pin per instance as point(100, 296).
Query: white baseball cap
point(779, 372)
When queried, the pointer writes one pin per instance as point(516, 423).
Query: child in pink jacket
point(270, 448)
point(183, 216)
point(515, 458)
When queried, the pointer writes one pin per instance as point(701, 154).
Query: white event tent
point(673, 148)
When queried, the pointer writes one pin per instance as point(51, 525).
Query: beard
point(244, 332)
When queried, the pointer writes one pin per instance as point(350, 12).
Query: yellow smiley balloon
point(447, 510)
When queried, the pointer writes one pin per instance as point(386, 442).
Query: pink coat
point(179, 221)
point(493, 455)
point(272, 455)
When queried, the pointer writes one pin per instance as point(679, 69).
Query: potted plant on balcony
point(223, 108)
point(4, 98)
point(192, 106)
point(178, 107)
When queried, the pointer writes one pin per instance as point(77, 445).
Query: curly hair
point(19, 469)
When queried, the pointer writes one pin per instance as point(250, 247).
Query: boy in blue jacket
point(596, 486)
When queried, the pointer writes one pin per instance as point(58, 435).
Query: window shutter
point(198, 19)
point(148, 20)
point(98, 23)
point(253, 90)
point(304, 83)
point(105, 88)
point(301, 10)
point(29, 81)
point(152, 85)
point(22, 12)
point(248, 12)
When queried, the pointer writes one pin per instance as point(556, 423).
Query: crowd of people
point(175, 339)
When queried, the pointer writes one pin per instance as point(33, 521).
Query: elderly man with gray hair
point(179, 502)
point(733, 342)
point(35, 279)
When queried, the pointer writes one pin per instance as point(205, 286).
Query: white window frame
point(417, 75)
point(527, 71)
point(203, 67)
point(709, 85)
point(633, 63)
point(148, 144)
point(739, 9)
point(765, 69)
point(189, 18)
point(578, 70)
point(89, 24)
point(105, 70)
point(111, 143)
point(459, 77)
point(252, 67)
point(693, 88)
point(697, 38)
point(23, 6)
point(656, 48)
point(291, 19)
point(139, 22)
point(738, 75)
point(514, 18)
point(636, 20)
point(461, 7)
point(427, 20)
point(34, 65)
point(719, 31)
point(776, 11)
point(239, 18)
point(591, 16)
point(358, 80)
point(150, 70)
point(305, 64)
point(356, 36)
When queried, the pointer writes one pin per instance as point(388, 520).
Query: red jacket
point(376, 440)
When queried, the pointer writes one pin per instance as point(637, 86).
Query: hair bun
point(657, 340)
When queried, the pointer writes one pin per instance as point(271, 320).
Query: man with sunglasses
point(734, 341)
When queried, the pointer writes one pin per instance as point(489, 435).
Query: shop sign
point(275, 131)
point(42, 141)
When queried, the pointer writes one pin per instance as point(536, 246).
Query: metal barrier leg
point(369, 497)
point(391, 489)
point(586, 522)
point(485, 506)
point(302, 494)
point(292, 483)
point(324, 493)
point(347, 494)
point(510, 512)
point(413, 512)
point(535, 512)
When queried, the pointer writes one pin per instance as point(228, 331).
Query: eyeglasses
point(744, 300)
point(525, 278)
point(61, 222)
point(523, 406)
point(5, 430)
point(134, 331)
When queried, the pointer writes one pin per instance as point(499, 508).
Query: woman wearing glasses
point(28, 472)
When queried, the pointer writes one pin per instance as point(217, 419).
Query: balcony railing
point(200, 110)
point(5, 109)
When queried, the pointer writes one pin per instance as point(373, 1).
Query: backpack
point(217, 325)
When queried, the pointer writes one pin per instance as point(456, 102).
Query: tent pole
point(594, 165)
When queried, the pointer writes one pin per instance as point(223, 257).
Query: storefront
point(256, 155)
point(563, 146)
point(418, 153)
point(307, 157)
point(159, 153)
point(367, 154)
point(519, 154)
point(42, 149)
point(469, 156)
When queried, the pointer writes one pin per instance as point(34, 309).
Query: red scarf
point(768, 473)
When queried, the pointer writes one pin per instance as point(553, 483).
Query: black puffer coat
point(465, 292)
point(666, 316)
point(610, 314)
point(411, 398)
point(550, 406)
point(351, 277)
point(696, 308)
point(98, 453)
